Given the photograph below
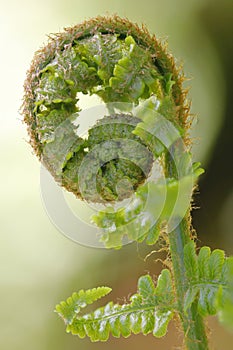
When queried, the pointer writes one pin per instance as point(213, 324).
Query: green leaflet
point(134, 75)
point(71, 307)
point(155, 130)
point(149, 311)
point(153, 204)
point(224, 302)
point(103, 52)
point(64, 145)
point(168, 82)
point(210, 277)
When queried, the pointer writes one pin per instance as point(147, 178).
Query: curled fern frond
point(210, 276)
point(149, 311)
point(123, 65)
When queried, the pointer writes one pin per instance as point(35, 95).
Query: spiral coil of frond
point(119, 62)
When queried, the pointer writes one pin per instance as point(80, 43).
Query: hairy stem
point(192, 322)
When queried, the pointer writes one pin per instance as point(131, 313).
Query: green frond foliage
point(210, 276)
point(71, 307)
point(224, 302)
point(149, 311)
point(154, 204)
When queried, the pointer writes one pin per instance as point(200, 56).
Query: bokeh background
point(38, 266)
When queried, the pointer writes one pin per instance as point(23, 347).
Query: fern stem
point(192, 322)
point(120, 63)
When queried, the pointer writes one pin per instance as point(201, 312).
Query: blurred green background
point(38, 266)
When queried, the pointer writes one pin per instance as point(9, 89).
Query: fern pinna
point(149, 311)
point(146, 126)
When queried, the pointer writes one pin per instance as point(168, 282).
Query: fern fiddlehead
point(98, 57)
point(147, 120)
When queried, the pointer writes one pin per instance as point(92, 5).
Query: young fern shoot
point(146, 125)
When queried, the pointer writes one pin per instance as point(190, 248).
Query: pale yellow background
point(38, 266)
